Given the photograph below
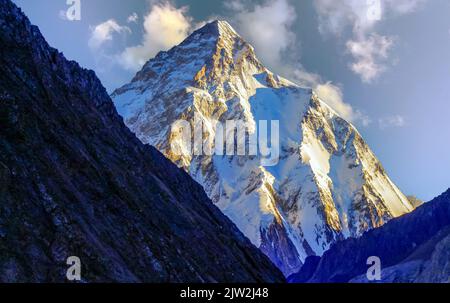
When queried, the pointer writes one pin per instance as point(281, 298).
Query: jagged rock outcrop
point(74, 181)
point(326, 185)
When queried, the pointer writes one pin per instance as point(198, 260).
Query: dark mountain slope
point(74, 181)
point(412, 248)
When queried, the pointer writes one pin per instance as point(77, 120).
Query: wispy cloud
point(369, 54)
point(133, 18)
point(268, 27)
point(392, 121)
point(334, 97)
point(369, 50)
point(103, 32)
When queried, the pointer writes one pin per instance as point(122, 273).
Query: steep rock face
point(325, 185)
point(74, 181)
point(412, 248)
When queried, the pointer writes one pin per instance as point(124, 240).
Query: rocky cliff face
point(325, 185)
point(412, 248)
point(74, 181)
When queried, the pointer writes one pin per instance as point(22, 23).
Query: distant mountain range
point(74, 181)
point(327, 184)
point(412, 248)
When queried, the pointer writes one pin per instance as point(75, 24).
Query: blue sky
point(385, 64)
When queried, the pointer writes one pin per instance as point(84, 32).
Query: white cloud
point(363, 118)
point(369, 55)
point(104, 32)
point(236, 5)
point(368, 49)
point(392, 121)
point(267, 27)
point(164, 27)
point(362, 15)
point(333, 96)
point(336, 15)
point(133, 18)
point(302, 77)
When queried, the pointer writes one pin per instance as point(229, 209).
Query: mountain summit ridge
point(327, 185)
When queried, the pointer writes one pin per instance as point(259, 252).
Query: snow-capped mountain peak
point(326, 185)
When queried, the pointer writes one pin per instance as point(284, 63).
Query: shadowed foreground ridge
point(74, 181)
point(412, 248)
